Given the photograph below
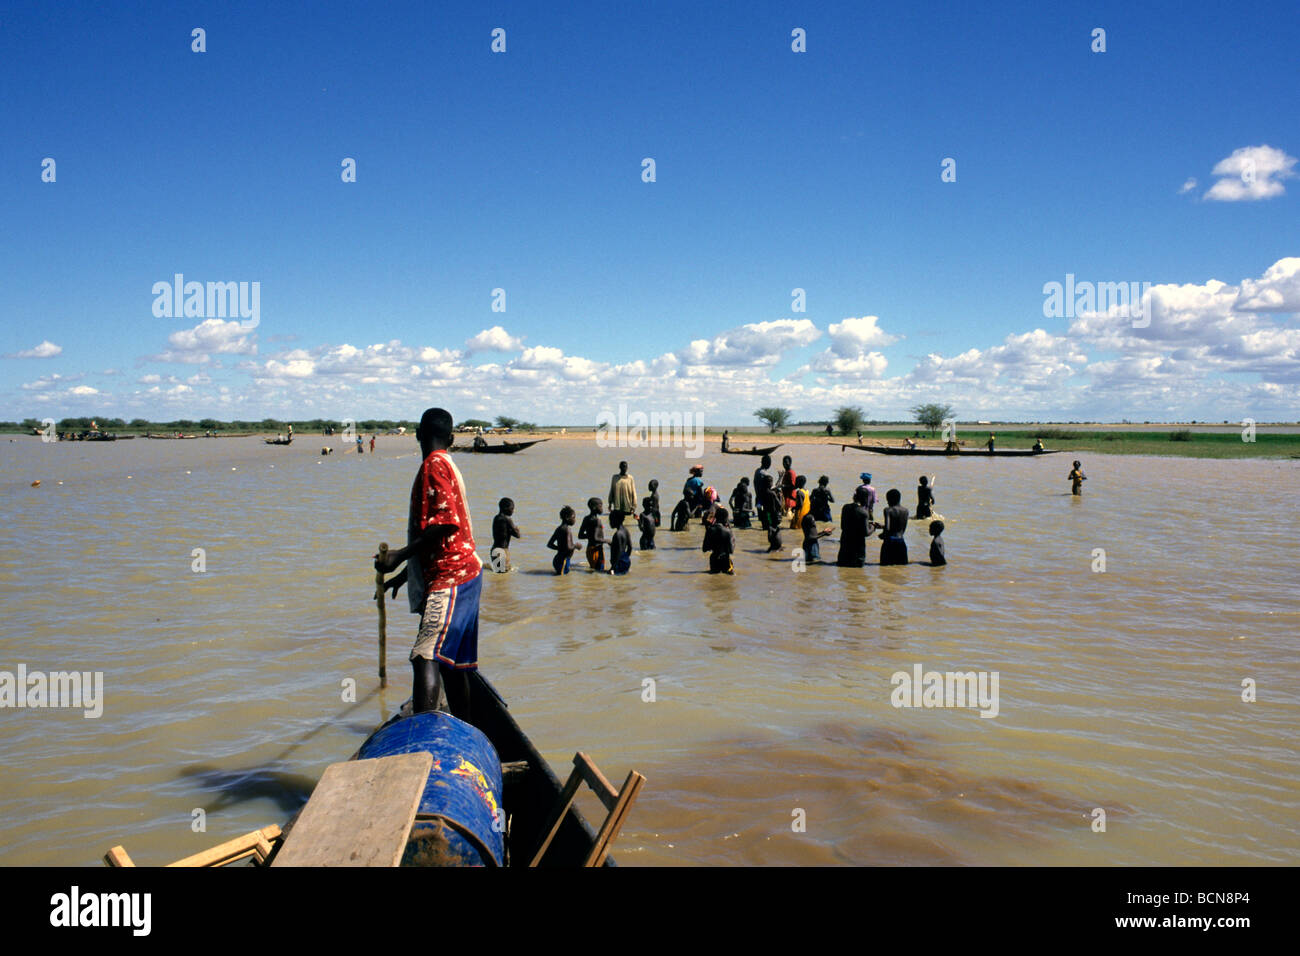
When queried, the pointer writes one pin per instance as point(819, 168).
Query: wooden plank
point(559, 811)
point(360, 814)
point(117, 857)
point(614, 822)
point(256, 843)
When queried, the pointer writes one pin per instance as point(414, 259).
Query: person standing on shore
point(443, 574)
point(622, 493)
point(726, 441)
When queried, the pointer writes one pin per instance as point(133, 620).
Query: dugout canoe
point(751, 450)
point(963, 453)
point(505, 448)
point(278, 441)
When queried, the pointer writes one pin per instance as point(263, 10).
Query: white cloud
point(1278, 290)
point(1188, 186)
point(495, 339)
point(83, 390)
point(1252, 173)
point(756, 343)
point(212, 336)
point(46, 349)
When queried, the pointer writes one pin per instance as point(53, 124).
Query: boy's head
point(654, 484)
point(767, 461)
point(866, 477)
point(434, 429)
point(823, 481)
point(860, 495)
point(786, 462)
point(721, 516)
point(893, 496)
point(697, 471)
point(616, 519)
point(507, 506)
point(808, 524)
point(622, 468)
point(744, 482)
point(936, 528)
point(568, 515)
point(801, 481)
point(594, 505)
point(924, 481)
point(1077, 463)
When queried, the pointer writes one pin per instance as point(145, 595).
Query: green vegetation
point(932, 416)
point(773, 418)
point(848, 419)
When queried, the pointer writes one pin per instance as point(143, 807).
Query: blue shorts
point(449, 626)
point(623, 564)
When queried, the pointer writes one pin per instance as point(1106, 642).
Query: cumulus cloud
point(1278, 290)
point(1188, 186)
point(495, 339)
point(46, 349)
point(1252, 173)
point(753, 344)
point(208, 338)
point(852, 353)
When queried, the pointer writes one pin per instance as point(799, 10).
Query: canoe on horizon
point(962, 453)
point(505, 448)
point(751, 451)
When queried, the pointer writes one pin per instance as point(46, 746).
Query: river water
point(771, 737)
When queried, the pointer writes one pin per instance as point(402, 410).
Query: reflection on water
point(227, 690)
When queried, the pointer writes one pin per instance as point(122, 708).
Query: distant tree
point(932, 416)
point(505, 421)
point(526, 427)
point(773, 418)
point(476, 423)
point(848, 419)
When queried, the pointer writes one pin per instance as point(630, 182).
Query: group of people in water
point(778, 500)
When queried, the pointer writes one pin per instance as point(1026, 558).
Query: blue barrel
point(464, 790)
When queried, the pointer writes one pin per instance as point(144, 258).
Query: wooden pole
point(383, 634)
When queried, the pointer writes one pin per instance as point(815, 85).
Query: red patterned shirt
point(438, 497)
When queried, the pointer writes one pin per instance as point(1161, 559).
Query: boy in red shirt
point(442, 573)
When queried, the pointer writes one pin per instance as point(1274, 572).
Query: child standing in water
point(893, 549)
point(720, 542)
point(937, 557)
point(653, 506)
point(620, 545)
point(503, 529)
point(801, 504)
point(562, 542)
point(812, 550)
point(647, 525)
point(1077, 478)
point(820, 499)
point(742, 503)
point(924, 497)
point(593, 532)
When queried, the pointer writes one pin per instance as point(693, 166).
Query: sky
point(845, 204)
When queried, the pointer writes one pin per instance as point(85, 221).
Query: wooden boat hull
point(278, 441)
point(752, 451)
point(505, 448)
point(530, 789)
point(963, 453)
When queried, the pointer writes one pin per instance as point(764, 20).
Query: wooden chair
point(617, 802)
point(259, 845)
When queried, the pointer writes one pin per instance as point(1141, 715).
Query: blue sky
point(775, 170)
